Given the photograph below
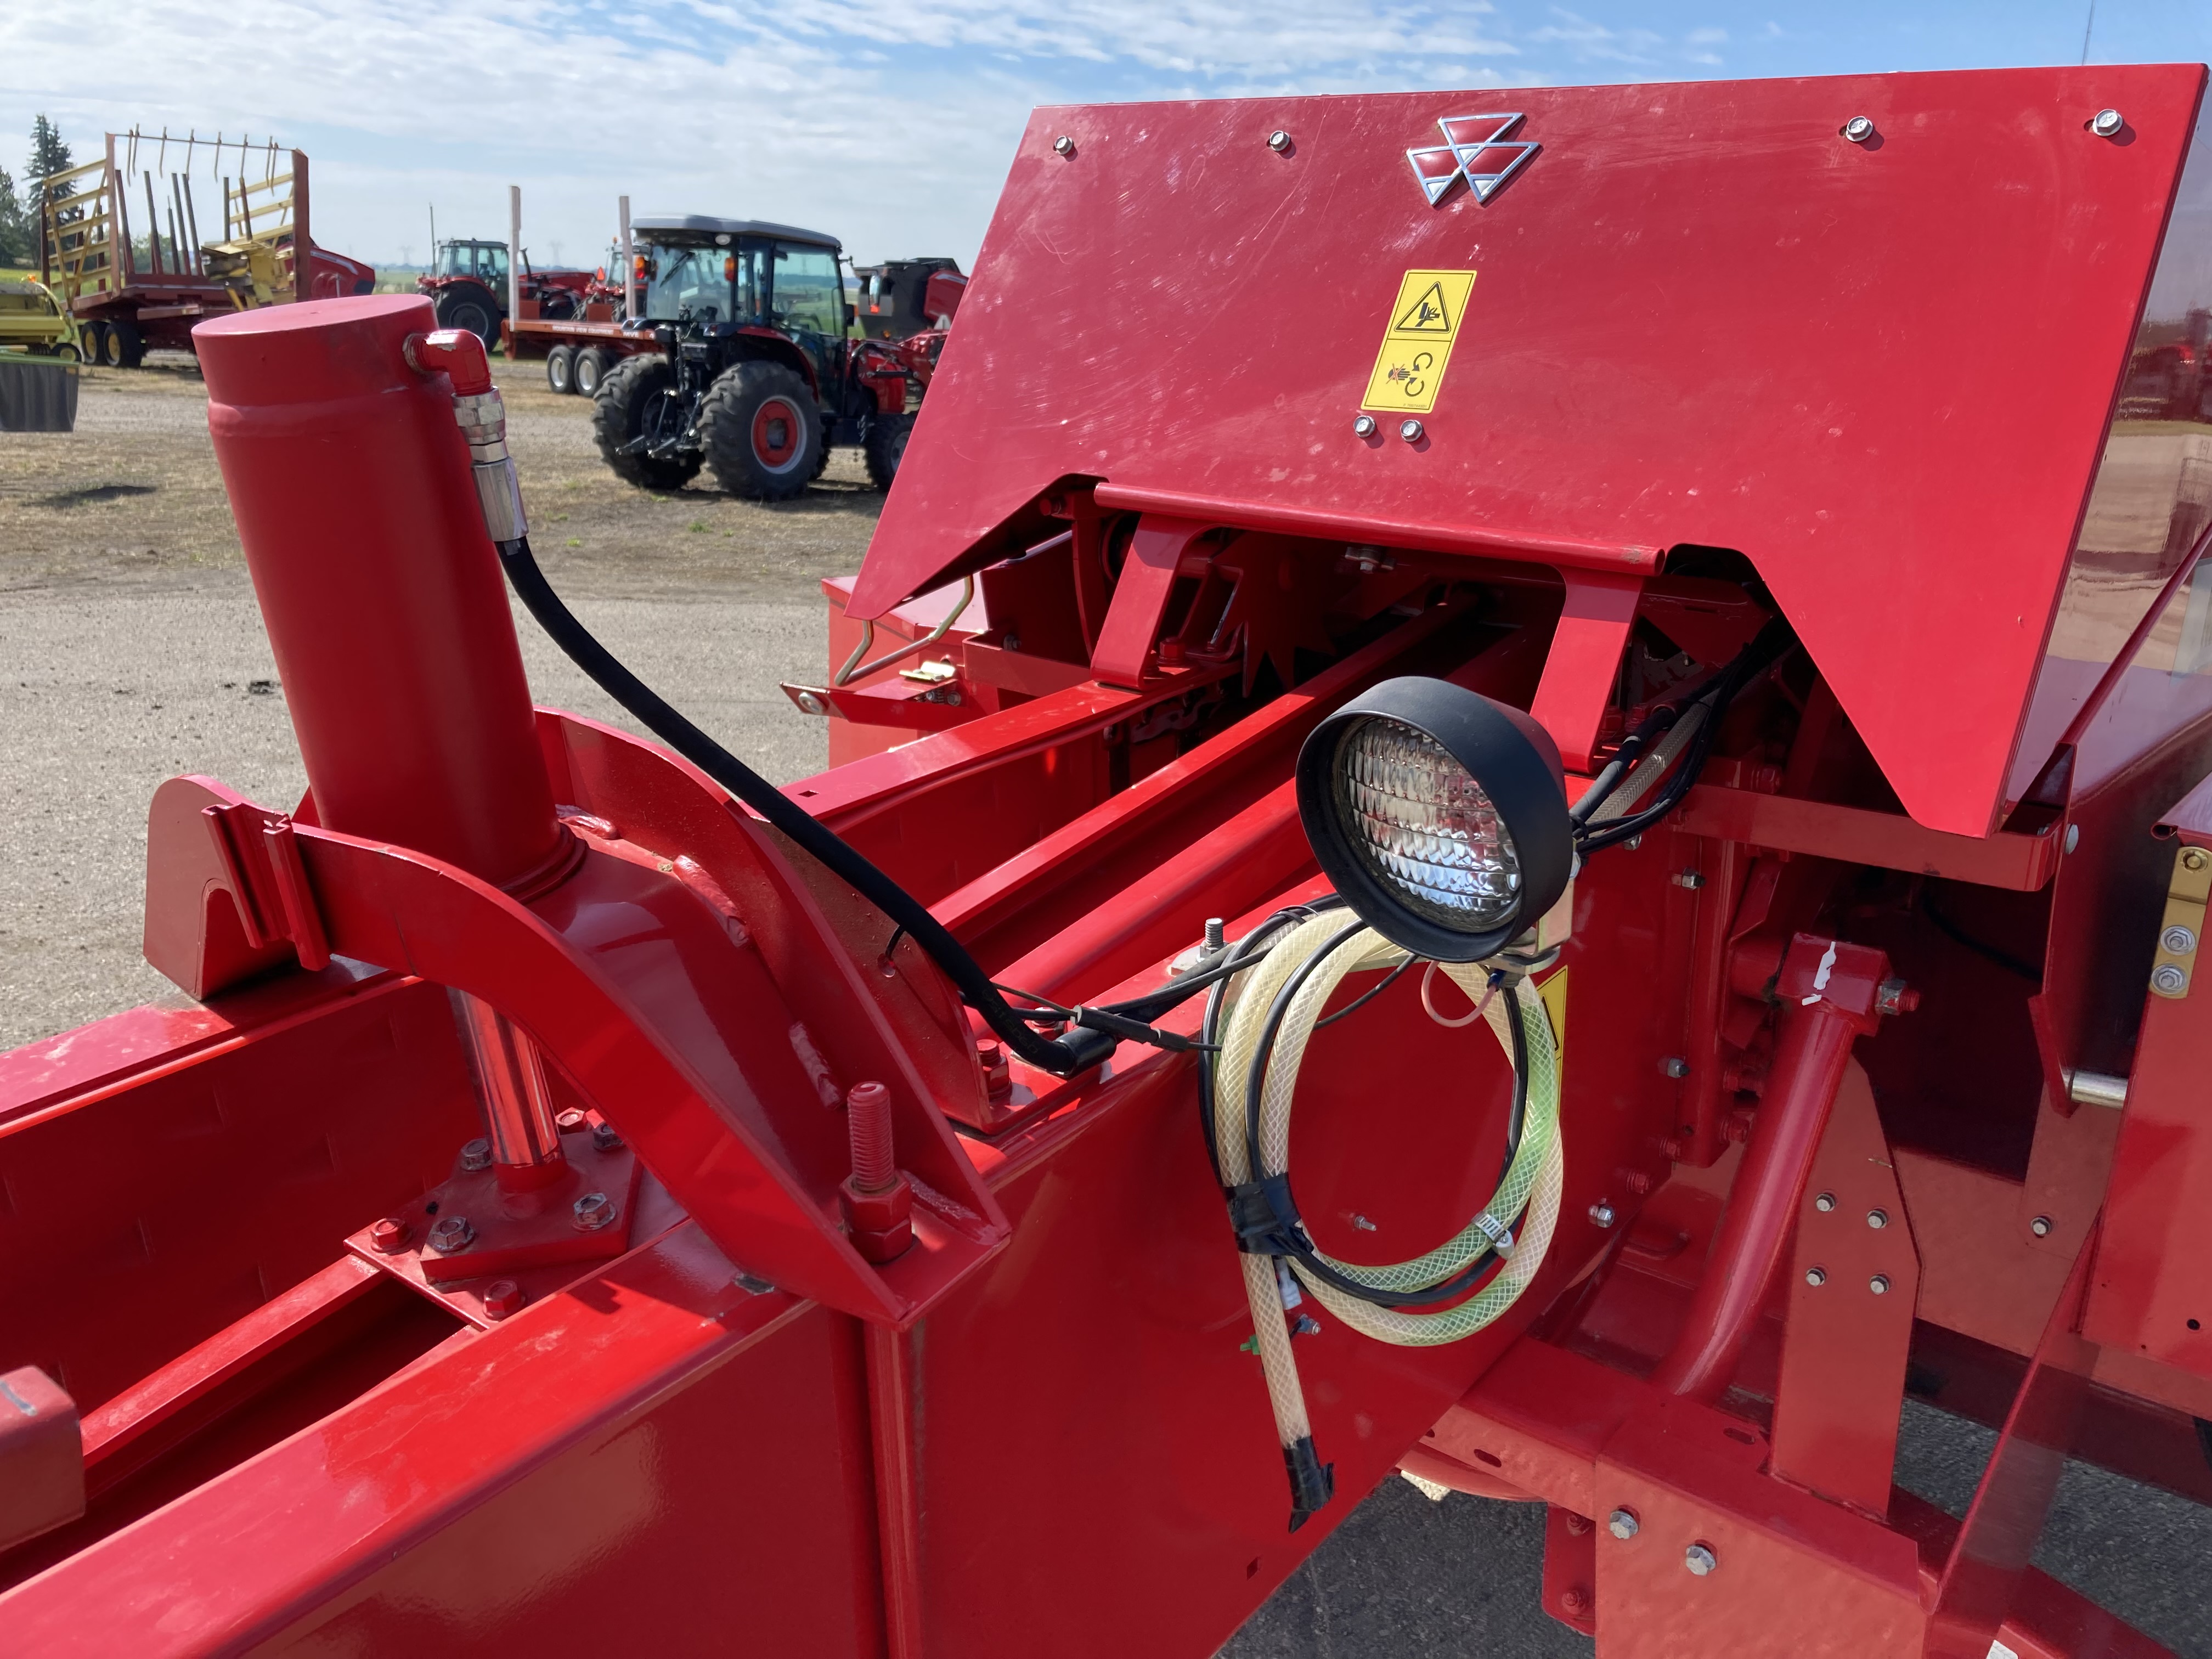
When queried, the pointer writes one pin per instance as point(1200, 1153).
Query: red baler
point(1639, 660)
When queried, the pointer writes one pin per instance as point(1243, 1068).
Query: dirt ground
point(134, 492)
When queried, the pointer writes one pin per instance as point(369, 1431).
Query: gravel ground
point(131, 650)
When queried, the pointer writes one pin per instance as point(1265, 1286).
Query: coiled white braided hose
point(1534, 1179)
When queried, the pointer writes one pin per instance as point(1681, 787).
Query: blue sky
point(886, 122)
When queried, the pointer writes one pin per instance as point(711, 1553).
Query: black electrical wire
point(1368, 995)
point(1982, 948)
point(1079, 1050)
point(1241, 955)
point(1754, 659)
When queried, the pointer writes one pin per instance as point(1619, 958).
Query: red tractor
point(756, 376)
point(469, 288)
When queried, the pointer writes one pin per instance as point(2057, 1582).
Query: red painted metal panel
point(1795, 386)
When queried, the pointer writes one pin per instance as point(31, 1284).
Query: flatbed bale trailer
point(127, 300)
point(1592, 906)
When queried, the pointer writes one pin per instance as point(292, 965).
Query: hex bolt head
point(1858, 129)
point(572, 1121)
point(2170, 978)
point(2074, 837)
point(477, 1154)
point(2178, 940)
point(1689, 878)
point(1602, 1215)
point(451, 1235)
point(1622, 1523)
point(1878, 1284)
point(1825, 1202)
point(1700, 1559)
point(2107, 123)
point(1816, 1277)
point(2193, 858)
point(1410, 431)
point(1280, 142)
point(1063, 145)
point(605, 1137)
point(2040, 1226)
point(502, 1296)
point(1674, 1067)
point(1364, 427)
point(593, 1212)
point(389, 1236)
point(1877, 1219)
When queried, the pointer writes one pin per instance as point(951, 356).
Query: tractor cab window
point(492, 265)
point(688, 279)
point(809, 296)
point(749, 271)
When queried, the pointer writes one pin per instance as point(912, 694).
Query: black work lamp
point(1440, 815)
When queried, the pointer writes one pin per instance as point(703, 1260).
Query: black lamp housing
point(1513, 758)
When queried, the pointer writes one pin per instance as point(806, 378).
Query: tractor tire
point(763, 434)
point(885, 447)
point(469, 306)
point(123, 346)
point(635, 392)
point(591, 370)
point(561, 370)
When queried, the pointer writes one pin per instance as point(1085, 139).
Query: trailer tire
point(124, 346)
point(469, 306)
point(763, 434)
point(885, 447)
point(561, 370)
point(591, 370)
point(92, 341)
point(635, 391)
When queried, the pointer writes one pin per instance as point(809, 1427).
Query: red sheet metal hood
point(1700, 315)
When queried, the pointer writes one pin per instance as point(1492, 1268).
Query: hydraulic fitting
point(459, 355)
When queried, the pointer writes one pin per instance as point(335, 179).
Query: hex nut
point(1410, 431)
point(593, 1212)
point(502, 1296)
point(605, 1137)
point(1280, 142)
point(571, 1122)
point(1602, 1214)
point(2040, 1226)
point(451, 1235)
point(1816, 1277)
point(1622, 1523)
point(1858, 129)
point(2170, 978)
point(1674, 1067)
point(1063, 145)
point(477, 1154)
point(1364, 427)
point(2107, 123)
point(1700, 1559)
point(1825, 1202)
point(1878, 1284)
point(389, 1236)
point(1877, 1219)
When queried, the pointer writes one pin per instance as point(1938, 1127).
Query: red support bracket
point(1139, 606)
point(1578, 684)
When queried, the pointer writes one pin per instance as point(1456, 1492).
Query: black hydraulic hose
point(1081, 1049)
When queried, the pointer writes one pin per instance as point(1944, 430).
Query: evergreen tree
point(15, 247)
point(49, 154)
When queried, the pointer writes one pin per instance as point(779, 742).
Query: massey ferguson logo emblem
point(1475, 149)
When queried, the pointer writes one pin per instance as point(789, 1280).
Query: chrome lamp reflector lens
point(1424, 826)
point(1440, 815)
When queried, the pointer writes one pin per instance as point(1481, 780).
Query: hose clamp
point(1499, 1235)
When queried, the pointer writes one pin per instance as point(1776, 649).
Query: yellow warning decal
point(1417, 343)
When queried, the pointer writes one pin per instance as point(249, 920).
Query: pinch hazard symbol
point(1417, 343)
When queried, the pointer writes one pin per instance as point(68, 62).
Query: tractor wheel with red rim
point(561, 369)
point(591, 369)
point(763, 436)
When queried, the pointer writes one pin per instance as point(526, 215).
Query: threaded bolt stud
point(868, 1120)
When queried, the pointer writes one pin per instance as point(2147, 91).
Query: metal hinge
point(2183, 927)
